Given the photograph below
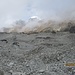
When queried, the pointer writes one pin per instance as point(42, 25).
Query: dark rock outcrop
point(72, 29)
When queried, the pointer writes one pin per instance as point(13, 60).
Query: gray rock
point(1, 72)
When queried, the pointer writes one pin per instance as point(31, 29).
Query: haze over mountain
point(27, 10)
point(12, 10)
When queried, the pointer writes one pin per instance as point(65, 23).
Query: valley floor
point(42, 53)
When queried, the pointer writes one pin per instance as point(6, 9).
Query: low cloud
point(56, 10)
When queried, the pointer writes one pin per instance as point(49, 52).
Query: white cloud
point(11, 10)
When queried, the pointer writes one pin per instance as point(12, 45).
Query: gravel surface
point(42, 53)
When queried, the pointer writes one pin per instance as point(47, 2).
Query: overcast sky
point(12, 10)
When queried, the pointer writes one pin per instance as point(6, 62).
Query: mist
point(53, 13)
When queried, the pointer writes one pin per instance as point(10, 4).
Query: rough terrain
point(41, 53)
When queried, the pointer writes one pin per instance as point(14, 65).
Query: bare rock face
point(72, 29)
point(1, 72)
